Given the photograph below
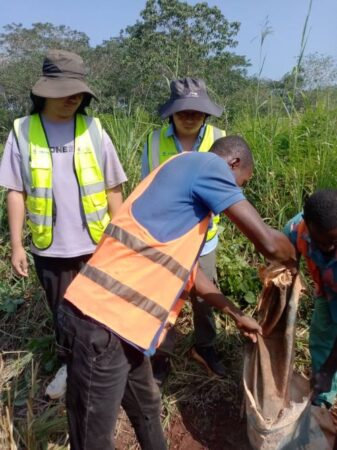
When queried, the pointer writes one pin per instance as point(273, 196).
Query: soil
point(224, 429)
point(220, 427)
point(199, 412)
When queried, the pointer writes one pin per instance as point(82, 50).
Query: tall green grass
point(294, 155)
point(128, 130)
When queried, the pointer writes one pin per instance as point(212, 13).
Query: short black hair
point(320, 209)
point(233, 147)
point(39, 102)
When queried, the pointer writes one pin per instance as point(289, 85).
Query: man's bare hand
point(249, 327)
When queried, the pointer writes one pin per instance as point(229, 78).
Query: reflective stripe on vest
point(133, 282)
point(161, 147)
point(303, 247)
point(36, 163)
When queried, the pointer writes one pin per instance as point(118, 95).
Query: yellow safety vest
point(37, 174)
point(161, 147)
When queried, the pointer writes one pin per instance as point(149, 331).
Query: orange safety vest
point(303, 247)
point(133, 282)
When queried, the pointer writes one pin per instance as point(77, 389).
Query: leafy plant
point(237, 275)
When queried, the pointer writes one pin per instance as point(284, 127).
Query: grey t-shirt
point(70, 236)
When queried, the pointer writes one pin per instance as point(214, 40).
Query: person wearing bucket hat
point(189, 94)
point(188, 108)
point(63, 74)
point(62, 171)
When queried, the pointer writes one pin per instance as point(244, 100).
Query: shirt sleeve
point(10, 166)
point(290, 229)
point(113, 171)
point(145, 162)
point(215, 185)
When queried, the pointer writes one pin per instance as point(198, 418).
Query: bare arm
point(115, 200)
point(16, 218)
point(271, 243)
point(211, 294)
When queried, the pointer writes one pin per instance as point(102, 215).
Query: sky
point(104, 19)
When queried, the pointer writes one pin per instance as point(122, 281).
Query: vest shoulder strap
point(95, 130)
point(20, 130)
point(153, 148)
point(211, 133)
point(218, 133)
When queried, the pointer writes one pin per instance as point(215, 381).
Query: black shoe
point(208, 357)
point(161, 367)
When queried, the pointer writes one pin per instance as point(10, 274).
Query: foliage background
point(290, 125)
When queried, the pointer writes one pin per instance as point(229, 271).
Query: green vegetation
point(290, 125)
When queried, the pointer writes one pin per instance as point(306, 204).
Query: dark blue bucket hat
point(189, 94)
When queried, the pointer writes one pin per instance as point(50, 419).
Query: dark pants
point(55, 275)
point(103, 373)
point(203, 316)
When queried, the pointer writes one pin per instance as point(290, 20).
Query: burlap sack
point(278, 407)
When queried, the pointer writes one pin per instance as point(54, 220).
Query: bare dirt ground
point(199, 412)
point(224, 430)
point(218, 428)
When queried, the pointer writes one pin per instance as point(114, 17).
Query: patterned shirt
point(326, 283)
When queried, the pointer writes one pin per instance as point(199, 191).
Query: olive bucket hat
point(189, 94)
point(63, 75)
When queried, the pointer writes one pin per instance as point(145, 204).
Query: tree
point(171, 39)
point(308, 84)
point(175, 39)
point(106, 64)
point(319, 71)
point(18, 42)
point(21, 54)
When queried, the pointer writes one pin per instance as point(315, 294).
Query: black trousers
point(103, 373)
point(55, 275)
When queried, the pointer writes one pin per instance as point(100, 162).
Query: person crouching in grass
point(314, 235)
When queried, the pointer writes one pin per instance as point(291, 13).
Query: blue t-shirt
point(210, 245)
point(183, 193)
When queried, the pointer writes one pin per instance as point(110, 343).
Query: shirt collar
point(171, 133)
